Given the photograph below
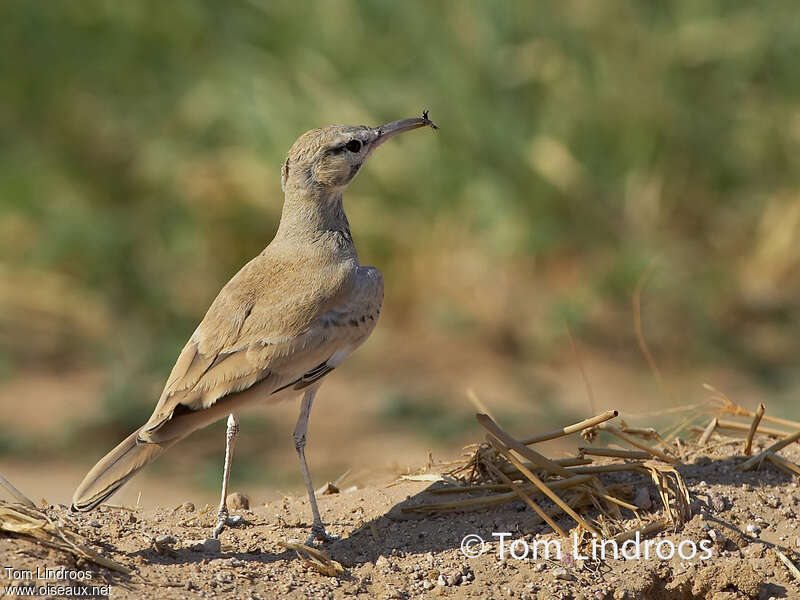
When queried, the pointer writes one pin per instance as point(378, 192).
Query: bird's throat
point(315, 215)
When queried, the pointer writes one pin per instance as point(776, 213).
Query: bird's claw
point(224, 520)
point(318, 533)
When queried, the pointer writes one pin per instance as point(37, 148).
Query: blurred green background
point(585, 147)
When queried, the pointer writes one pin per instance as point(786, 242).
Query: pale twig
point(564, 462)
point(659, 525)
point(459, 489)
point(517, 490)
point(533, 456)
point(631, 466)
point(495, 498)
point(753, 461)
point(614, 453)
point(542, 486)
point(736, 426)
point(621, 503)
point(780, 462)
point(653, 451)
point(576, 428)
point(707, 432)
point(748, 445)
point(611, 502)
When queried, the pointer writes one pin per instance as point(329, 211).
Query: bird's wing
point(258, 330)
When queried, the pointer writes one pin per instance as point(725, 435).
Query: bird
point(287, 319)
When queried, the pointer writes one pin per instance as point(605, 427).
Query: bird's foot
point(223, 520)
point(318, 533)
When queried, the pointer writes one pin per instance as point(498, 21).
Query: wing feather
point(256, 332)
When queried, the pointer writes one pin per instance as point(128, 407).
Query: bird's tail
point(114, 469)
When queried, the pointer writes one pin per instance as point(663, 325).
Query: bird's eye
point(353, 145)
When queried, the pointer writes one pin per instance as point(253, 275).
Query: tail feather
point(114, 470)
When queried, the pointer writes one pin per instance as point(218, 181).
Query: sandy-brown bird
point(279, 326)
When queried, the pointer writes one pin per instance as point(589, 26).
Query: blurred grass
point(580, 143)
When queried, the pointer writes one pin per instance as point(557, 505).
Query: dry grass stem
point(533, 456)
point(316, 559)
point(524, 497)
point(485, 487)
point(470, 503)
point(780, 462)
point(736, 426)
point(670, 486)
point(576, 428)
point(541, 485)
point(614, 453)
point(707, 432)
point(758, 458)
point(612, 506)
point(619, 502)
point(631, 466)
point(654, 527)
point(748, 445)
point(647, 433)
point(636, 444)
point(564, 462)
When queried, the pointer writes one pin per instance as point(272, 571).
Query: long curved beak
point(389, 130)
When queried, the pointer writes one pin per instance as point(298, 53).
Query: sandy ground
point(741, 517)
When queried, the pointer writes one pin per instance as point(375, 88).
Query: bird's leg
point(317, 529)
point(230, 443)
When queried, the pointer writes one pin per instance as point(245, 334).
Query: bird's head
point(330, 157)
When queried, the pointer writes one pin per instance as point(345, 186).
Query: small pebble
point(717, 538)
point(237, 501)
point(562, 573)
point(752, 529)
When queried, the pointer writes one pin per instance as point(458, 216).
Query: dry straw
point(22, 521)
point(505, 468)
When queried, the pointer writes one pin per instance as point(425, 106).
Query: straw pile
point(505, 468)
point(22, 519)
